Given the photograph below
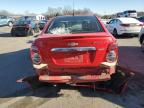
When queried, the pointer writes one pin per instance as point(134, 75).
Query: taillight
point(141, 24)
point(125, 25)
point(34, 48)
point(112, 46)
point(112, 53)
point(35, 55)
point(36, 58)
point(27, 26)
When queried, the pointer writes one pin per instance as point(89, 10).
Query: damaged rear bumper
point(74, 79)
point(106, 70)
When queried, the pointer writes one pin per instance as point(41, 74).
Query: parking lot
point(15, 63)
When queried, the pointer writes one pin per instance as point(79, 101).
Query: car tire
point(29, 32)
point(142, 45)
point(36, 30)
point(10, 24)
point(115, 33)
point(13, 34)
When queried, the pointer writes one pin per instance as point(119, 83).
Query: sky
point(98, 6)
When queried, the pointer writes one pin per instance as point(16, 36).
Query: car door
point(117, 26)
point(110, 25)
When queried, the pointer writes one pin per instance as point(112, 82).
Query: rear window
point(22, 22)
point(132, 11)
point(74, 24)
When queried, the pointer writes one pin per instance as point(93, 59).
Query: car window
point(112, 21)
point(22, 22)
point(3, 17)
point(116, 21)
point(72, 25)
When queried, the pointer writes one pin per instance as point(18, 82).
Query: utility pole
point(73, 7)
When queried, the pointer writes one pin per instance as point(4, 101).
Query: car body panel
point(141, 34)
point(73, 54)
point(133, 28)
point(4, 20)
point(21, 26)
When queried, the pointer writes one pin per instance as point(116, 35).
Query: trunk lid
point(74, 50)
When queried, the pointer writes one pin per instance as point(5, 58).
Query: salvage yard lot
point(15, 63)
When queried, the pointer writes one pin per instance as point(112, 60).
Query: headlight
point(36, 58)
point(111, 56)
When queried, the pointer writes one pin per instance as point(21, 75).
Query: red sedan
point(74, 49)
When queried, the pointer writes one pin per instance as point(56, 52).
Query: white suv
point(141, 38)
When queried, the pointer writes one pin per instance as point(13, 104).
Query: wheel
point(115, 33)
point(13, 33)
point(142, 45)
point(29, 32)
point(10, 24)
point(37, 29)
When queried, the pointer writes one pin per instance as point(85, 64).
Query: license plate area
point(74, 59)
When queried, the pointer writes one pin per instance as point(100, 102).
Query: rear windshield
point(132, 11)
point(22, 22)
point(74, 24)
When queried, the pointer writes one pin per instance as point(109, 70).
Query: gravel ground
point(15, 63)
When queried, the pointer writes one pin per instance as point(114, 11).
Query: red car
point(74, 49)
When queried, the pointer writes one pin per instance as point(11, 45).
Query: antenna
point(73, 7)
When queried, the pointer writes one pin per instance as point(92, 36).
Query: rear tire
point(115, 33)
point(37, 29)
point(30, 32)
point(13, 34)
point(142, 45)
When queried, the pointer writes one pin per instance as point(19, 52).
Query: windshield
point(74, 24)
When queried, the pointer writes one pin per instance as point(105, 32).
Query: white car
point(123, 25)
point(130, 13)
point(141, 38)
point(105, 21)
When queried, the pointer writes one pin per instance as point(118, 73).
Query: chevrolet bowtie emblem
point(72, 44)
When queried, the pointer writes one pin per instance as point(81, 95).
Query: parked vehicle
point(24, 27)
point(6, 21)
point(130, 13)
point(121, 26)
point(42, 24)
point(39, 17)
point(141, 38)
point(74, 49)
point(141, 19)
point(120, 14)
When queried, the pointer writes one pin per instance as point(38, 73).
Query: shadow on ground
point(5, 35)
point(126, 36)
point(16, 65)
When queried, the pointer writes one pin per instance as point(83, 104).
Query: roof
point(128, 20)
point(70, 17)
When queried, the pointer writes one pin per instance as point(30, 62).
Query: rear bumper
point(129, 32)
point(74, 79)
point(103, 74)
